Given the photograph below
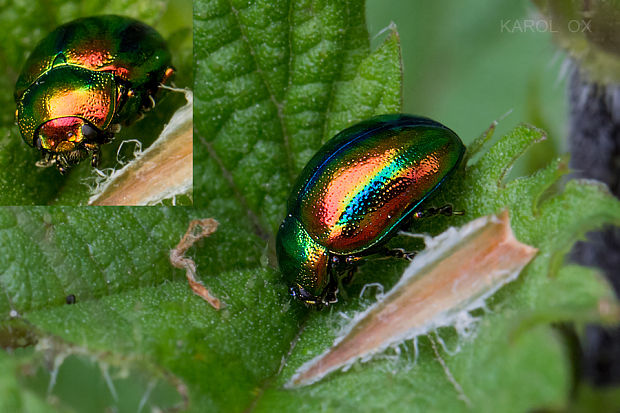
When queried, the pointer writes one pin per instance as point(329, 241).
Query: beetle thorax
point(304, 262)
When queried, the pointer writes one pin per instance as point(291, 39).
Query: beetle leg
point(150, 104)
point(345, 277)
point(330, 295)
point(386, 253)
point(348, 277)
point(61, 164)
point(445, 210)
point(46, 161)
point(401, 253)
point(94, 162)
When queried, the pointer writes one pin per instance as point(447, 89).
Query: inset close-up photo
point(103, 100)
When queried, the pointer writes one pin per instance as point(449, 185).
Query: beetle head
point(64, 134)
point(67, 141)
point(327, 297)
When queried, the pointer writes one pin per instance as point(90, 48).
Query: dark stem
point(594, 139)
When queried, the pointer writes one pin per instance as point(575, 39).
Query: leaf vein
point(279, 106)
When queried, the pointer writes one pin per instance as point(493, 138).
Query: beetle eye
point(89, 132)
point(303, 294)
point(37, 142)
point(299, 293)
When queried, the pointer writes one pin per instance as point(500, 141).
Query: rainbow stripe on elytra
point(366, 189)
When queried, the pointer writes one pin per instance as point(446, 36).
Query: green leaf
point(13, 397)
point(274, 80)
point(101, 380)
point(27, 22)
point(510, 340)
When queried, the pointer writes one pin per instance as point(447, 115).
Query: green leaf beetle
point(85, 79)
point(360, 188)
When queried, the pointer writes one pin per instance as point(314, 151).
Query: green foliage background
point(467, 65)
point(273, 80)
point(27, 22)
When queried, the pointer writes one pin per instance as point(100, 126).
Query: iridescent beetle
point(83, 81)
point(362, 186)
